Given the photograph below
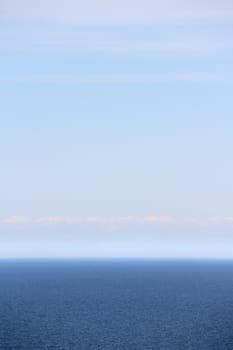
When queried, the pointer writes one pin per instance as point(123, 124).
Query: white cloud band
point(90, 220)
point(149, 219)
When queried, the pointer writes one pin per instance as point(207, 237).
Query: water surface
point(85, 305)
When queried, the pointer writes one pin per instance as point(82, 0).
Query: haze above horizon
point(116, 129)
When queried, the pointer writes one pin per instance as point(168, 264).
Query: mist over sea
point(116, 304)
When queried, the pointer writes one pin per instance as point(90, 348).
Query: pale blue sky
point(116, 129)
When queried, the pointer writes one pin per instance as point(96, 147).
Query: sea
point(116, 304)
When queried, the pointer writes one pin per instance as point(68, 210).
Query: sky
point(116, 129)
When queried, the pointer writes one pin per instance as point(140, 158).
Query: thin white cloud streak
point(89, 220)
point(219, 220)
point(228, 219)
point(90, 11)
point(148, 219)
point(18, 220)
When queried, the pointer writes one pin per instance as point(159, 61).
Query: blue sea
point(116, 304)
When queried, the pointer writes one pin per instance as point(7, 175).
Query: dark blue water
point(116, 305)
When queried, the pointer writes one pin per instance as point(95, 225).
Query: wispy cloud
point(228, 219)
point(220, 220)
point(99, 220)
point(18, 220)
point(89, 220)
